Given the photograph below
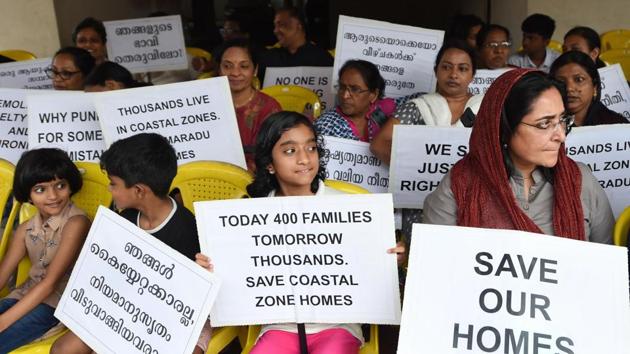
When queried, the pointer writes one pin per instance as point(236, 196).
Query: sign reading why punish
point(13, 124)
point(125, 294)
point(302, 259)
point(28, 74)
point(65, 120)
point(197, 117)
point(472, 290)
point(404, 55)
point(147, 44)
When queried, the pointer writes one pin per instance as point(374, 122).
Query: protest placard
point(13, 124)
point(134, 294)
point(28, 74)
point(606, 150)
point(405, 55)
point(302, 259)
point(66, 120)
point(421, 156)
point(352, 161)
point(315, 78)
point(615, 90)
point(147, 44)
point(197, 117)
point(500, 291)
point(483, 79)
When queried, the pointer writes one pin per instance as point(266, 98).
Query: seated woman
point(585, 40)
point(70, 67)
point(450, 105)
point(579, 73)
point(90, 35)
point(493, 45)
point(238, 62)
point(110, 76)
point(517, 175)
point(361, 109)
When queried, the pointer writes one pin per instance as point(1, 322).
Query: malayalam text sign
point(197, 117)
point(314, 78)
point(147, 44)
point(404, 55)
point(28, 74)
point(479, 290)
point(134, 294)
point(483, 79)
point(13, 124)
point(615, 90)
point(302, 259)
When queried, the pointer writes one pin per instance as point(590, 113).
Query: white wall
point(29, 25)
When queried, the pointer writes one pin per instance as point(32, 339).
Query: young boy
point(140, 169)
point(537, 31)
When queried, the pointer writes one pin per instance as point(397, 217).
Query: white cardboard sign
point(421, 156)
point(314, 78)
point(352, 161)
point(615, 90)
point(13, 124)
point(606, 150)
point(197, 117)
point(405, 55)
point(302, 259)
point(65, 120)
point(28, 74)
point(133, 294)
point(483, 79)
point(500, 291)
point(147, 44)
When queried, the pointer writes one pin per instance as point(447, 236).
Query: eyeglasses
point(63, 74)
point(352, 90)
point(566, 122)
point(498, 45)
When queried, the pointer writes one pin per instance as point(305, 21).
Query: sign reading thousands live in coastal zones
point(147, 44)
point(421, 156)
point(472, 290)
point(27, 74)
point(615, 90)
point(352, 161)
point(314, 78)
point(197, 117)
point(65, 120)
point(134, 294)
point(606, 150)
point(302, 259)
point(483, 79)
point(405, 55)
point(13, 124)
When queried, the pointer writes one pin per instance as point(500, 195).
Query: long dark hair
point(270, 132)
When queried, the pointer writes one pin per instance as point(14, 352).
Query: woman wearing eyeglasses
point(517, 175)
point(70, 67)
point(579, 73)
point(361, 108)
point(493, 46)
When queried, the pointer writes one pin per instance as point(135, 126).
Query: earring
point(271, 171)
point(504, 146)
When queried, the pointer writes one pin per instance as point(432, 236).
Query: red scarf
point(480, 182)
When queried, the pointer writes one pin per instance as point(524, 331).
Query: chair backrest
point(555, 45)
point(296, 99)
point(6, 182)
point(210, 180)
point(198, 52)
point(18, 54)
point(615, 39)
point(622, 227)
point(345, 187)
point(621, 56)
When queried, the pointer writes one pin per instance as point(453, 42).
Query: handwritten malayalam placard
point(606, 150)
point(472, 290)
point(197, 117)
point(134, 294)
point(147, 44)
point(65, 120)
point(405, 55)
point(314, 78)
point(302, 259)
point(483, 79)
point(28, 74)
point(13, 124)
point(421, 156)
point(352, 161)
point(615, 90)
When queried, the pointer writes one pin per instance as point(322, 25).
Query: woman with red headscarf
point(516, 174)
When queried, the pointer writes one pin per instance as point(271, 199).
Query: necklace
point(251, 97)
